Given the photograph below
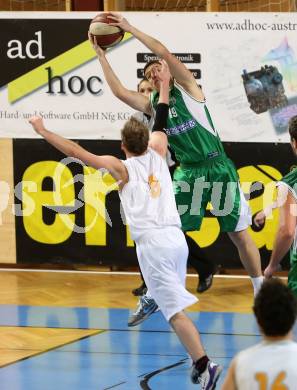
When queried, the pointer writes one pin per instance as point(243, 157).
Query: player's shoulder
point(153, 153)
point(249, 351)
point(265, 347)
point(290, 181)
point(194, 92)
point(290, 178)
point(157, 158)
point(292, 345)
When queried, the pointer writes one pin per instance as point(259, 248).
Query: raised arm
point(134, 99)
point(177, 69)
point(158, 138)
point(112, 164)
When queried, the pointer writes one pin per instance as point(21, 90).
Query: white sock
point(257, 283)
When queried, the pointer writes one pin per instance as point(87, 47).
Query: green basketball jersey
point(190, 130)
point(290, 181)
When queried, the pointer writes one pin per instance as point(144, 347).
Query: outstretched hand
point(37, 124)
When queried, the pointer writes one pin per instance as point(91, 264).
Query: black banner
point(28, 43)
point(196, 73)
point(44, 237)
point(187, 58)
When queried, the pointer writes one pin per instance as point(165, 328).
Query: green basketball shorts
point(215, 181)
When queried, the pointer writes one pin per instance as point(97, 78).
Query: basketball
point(105, 34)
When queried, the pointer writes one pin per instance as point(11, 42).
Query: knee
point(175, 318)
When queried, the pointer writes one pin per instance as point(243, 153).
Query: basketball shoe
point(209, 377)
point(139, 291)
point(146, 307)
point(204, 284)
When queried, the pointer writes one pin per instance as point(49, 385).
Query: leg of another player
point(188, 335)
point(204, 268)
point(142, 289)
point(249, 256)
point(204, 371)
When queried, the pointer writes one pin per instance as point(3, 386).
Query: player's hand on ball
point(118, 20)
point(99, 51)
point(37, 123)
point(259, 219)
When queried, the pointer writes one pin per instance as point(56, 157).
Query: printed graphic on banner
point(43, 72)
point(29, 43)
point(65, 210)
point(265, 87)
point(49, 68)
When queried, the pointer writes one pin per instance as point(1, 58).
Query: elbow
point(162, 151)
point(119, 93)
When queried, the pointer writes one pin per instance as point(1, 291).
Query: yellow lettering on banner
point(61, 229)
point(28, 204)
point(265, 237)
point(209, 231)
point(97, 186)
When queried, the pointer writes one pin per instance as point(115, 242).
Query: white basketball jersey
point(148, 200)
point(267, 366)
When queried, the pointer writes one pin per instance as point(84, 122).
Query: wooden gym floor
point(70, 328)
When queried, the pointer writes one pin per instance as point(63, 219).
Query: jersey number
point(172, 113)
point(155, 188)
point(277, 384)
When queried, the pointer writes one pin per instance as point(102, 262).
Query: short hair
point(275, 308)
point(135, 136)
point(293, 127)
point(151, 62)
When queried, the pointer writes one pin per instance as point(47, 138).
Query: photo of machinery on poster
point(245, 63)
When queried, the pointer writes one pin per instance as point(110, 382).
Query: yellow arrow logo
point(60, 65)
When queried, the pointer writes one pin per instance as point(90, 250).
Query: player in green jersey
point(205, 173)
point(286, 234)
point(205, 268)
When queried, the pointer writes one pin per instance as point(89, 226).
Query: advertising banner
point(247, 67)
point(245, 62)
point(69, 213)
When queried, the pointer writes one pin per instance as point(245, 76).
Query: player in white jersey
point(204, 267)
point(272, 364)
point(147, 197)
point(145, 88)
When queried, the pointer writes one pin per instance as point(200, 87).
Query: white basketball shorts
point(162, 255)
